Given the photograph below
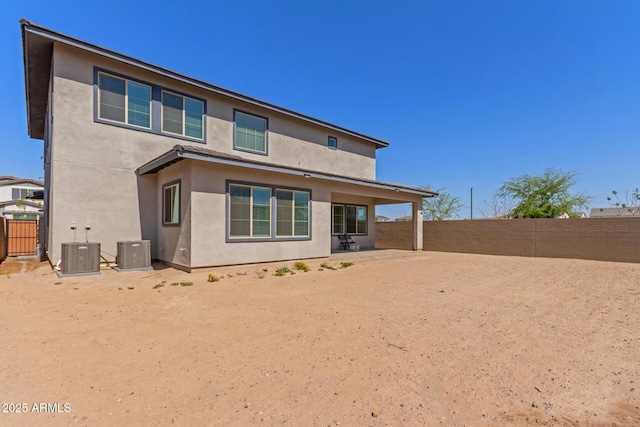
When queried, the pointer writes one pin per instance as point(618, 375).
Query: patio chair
point(346, 242)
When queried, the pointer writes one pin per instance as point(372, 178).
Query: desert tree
point(497, 208)
point(547, 195)
point(630, 204)
point(443, 206)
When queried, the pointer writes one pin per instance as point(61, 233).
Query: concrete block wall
point(394, 235)
point(605, 239)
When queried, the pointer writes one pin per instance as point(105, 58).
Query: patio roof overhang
point(180, 152)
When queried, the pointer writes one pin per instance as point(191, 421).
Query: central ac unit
point(80, 258)
point(134, 255)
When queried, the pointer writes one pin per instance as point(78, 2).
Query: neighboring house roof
point(37, 44)
point(19, 181)
point(404, 218)
point(26, 203)
point(382, 218)
point(180, 152)
point(614, 212)
point(7, 178)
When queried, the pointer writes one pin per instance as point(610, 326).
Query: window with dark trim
point(348, 219)
point(292, 213)
point(250, 132)
point(182, 115)
point(171, 203)
point(130, 103)
point(259, 212)
point(124, 101)
point(249, 211)
point(333, 142)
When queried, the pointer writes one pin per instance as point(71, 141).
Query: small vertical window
point(333, 142)
point(171, 204)
point(138, 105)
point(250, 133)
point(338, 219)
point(284, 213)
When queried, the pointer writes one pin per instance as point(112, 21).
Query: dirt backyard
point(397, 339)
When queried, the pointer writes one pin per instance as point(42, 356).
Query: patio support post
point(417, 225)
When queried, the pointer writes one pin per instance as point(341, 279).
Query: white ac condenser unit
point(134, 255)
point(80, 258)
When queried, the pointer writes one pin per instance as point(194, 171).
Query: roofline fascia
point(174, 155)
point(71, 41)
point(23, 25)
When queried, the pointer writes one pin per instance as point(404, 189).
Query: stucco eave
point(185, 152)
point(37, 54)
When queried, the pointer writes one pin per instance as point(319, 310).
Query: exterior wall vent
point(80, 258)
point(134, 255)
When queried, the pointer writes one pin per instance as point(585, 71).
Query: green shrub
point(282, 271)
point(345, 264)
point(301, 266)
point(186, 284)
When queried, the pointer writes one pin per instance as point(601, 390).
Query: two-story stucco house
point(209, 176)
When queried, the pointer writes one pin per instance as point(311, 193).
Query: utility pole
point(471, 202)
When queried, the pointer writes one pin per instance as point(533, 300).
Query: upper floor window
point(134, 104)
point(182, 115)
point(124, 101)
point(250, 132)
point(333, 142)
point(19, 193)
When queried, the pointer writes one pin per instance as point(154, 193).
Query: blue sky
point(468, 93)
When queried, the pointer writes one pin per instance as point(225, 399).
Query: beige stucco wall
point(209, 218)
point(174, 243)
point(93, 164)
point(205, 214)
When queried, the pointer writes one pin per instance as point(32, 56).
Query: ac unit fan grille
point(134, 254)
point(79, 258)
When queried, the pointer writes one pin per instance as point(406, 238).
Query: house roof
point(37, 45)
point(181, 152)
point(12, 180)
point(614, 212)
point(26, 202)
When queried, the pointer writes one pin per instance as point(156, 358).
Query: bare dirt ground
point(399, 338)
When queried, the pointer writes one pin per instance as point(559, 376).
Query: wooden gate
point(22, 237)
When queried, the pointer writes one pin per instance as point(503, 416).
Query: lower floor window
point(292, 213)
point(251, 215)
point(249, 211)
point(348, 219)
point(171, 204)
